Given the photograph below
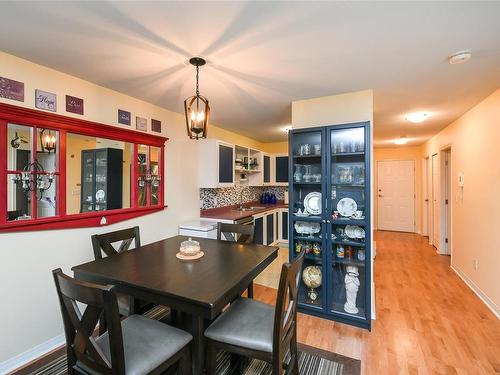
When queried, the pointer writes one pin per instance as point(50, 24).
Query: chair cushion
point(246, 323)
point(146, 343)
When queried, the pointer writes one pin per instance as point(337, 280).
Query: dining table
point(199, 288)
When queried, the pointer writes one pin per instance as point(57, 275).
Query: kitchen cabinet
point(270, 228)
point(216, 163)
point(101, 179)
point(259, 230)
point(329, 179)
point(267, 169)
point(281, 169)
point(283, 225)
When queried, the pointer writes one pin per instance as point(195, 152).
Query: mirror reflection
point(98, 174)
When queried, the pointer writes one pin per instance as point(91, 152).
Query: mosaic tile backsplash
point(213, 198)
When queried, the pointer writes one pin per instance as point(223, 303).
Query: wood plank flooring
point(428, 320)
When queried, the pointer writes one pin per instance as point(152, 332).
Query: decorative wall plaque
point(11, 89)
point(141, 123)
point(124, 117)
point(45, 100)
point(74, 105)
point(156, 125)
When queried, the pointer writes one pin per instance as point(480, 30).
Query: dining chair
point(113, 243)
point(135, 345)
point(239, 233)
point(254, 329)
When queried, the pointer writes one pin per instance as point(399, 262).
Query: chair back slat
point(285, 315)
point(103, 243)
point(79, 327)
point(239, 233)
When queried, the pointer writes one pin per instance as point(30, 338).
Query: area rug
point(312, 361)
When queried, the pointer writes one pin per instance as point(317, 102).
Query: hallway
point(428, 320)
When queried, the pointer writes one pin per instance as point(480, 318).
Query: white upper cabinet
point(216, 166)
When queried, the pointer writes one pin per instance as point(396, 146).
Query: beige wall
point(475, 143)
point(401, 153)
point(29, 257)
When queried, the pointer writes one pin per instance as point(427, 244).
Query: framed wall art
point(141, 123)
point(45, 100)
point(124, 117)
point(156, 125)
point(11, 89)
point(74, 105)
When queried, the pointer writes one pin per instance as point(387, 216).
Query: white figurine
point(351, 287)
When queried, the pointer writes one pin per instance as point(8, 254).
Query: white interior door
point(425, 193)
point(435, 200)
point(396, 195)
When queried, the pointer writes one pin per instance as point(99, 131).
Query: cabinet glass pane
point(348, 270)
point(46, 204)
point(348, 206)
point(307, 178)
point(307, 237)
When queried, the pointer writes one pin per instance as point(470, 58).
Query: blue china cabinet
point(329, 207)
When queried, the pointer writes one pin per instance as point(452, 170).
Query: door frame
point(414, 192)
point(425, 196)
point(445, 207)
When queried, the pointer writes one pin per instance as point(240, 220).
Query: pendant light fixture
point(196, 107)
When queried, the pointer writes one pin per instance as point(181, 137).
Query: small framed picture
point(11, 89)
point(156, 125)
point(124, 117)
point(74, 105)
point(45, 100)
point(141, 123)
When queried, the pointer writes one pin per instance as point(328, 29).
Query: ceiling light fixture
point(196, 107)
point(417, 117)
point(401, 141)
point(460, 57)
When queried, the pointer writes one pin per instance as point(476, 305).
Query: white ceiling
point(264, 55)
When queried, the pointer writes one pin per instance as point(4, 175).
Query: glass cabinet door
point(101, 175)
point(87, 188)
point(347, 208)
point(307, 226)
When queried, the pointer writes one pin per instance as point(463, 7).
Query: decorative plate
point(302, 227)
point(347, 207)
point(100, 194)
point(312, 203)
point(181, 256)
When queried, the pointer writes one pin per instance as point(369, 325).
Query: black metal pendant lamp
point(196, 107)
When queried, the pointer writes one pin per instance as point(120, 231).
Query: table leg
point(199, 345)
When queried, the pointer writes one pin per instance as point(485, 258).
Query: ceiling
point(264, 55)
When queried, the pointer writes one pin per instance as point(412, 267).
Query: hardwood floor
point(428, 320)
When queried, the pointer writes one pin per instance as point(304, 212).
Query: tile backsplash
point(212, 198)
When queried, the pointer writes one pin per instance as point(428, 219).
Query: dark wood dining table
point(200, 288)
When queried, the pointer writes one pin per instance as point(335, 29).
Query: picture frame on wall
point(156, 125)
point(124, 117)
point(45, 100)
point(141, 123)
point(74, 105)
point(11, 89)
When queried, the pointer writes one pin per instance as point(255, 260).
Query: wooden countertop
point(230, 212)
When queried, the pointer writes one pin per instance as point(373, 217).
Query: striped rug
point(312, 361)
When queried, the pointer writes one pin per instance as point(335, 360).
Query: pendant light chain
point(197, 77)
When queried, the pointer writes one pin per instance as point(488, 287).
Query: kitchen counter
point(230, 212)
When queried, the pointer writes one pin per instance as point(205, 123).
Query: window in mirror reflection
point(32, 172)
point(148, 180)
point(98, 174)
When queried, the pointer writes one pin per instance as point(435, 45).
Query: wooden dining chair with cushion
point(254, 329)
point(135, 345)
point(239, 233)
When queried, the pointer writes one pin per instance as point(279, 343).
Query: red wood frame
point(37, 119)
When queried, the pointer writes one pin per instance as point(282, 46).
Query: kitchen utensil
point(312, 203)
point(346, 207)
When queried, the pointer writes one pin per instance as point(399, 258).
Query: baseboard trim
point(482, 296)
point(28, 356)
